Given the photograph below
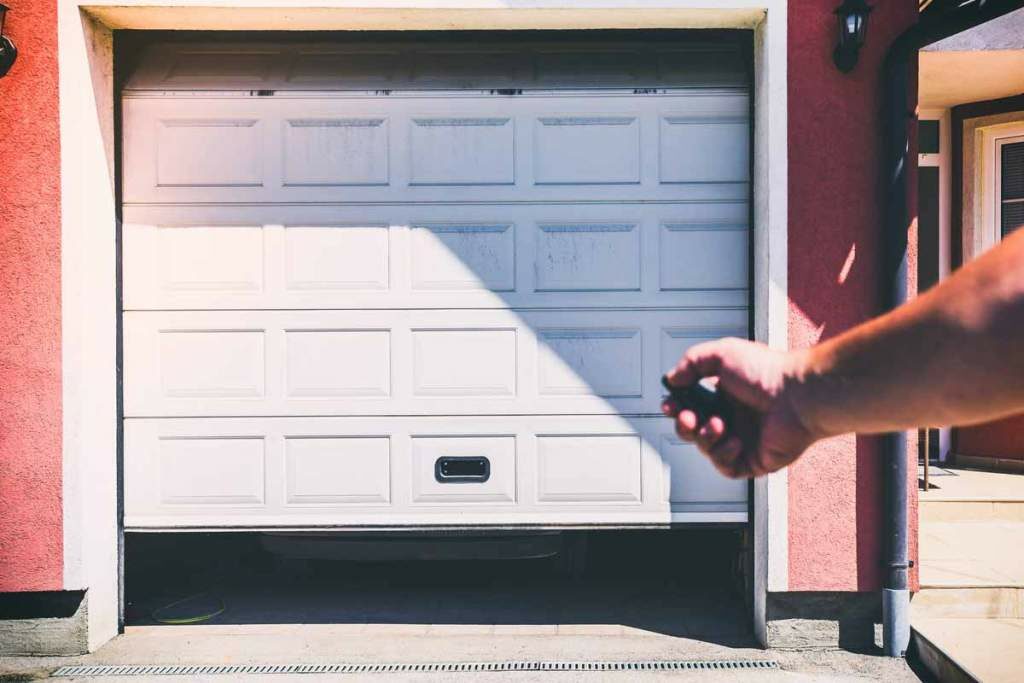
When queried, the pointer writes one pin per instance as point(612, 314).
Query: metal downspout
point(896, 589)
point(898, 114)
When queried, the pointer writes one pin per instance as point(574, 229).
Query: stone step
point(940, 665)
point(971, 511)
point(977, 554)
point(974, 602)
point(958, 650)
point(972, 491)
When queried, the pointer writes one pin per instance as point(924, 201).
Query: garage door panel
point(683, 61)
point(605, 362)
point(212, 363)
point(221, 363)
point(462, 151)
point(704, 149)
point(210, 65)
point(211, 470)
point(703, 256)
point(310, 66)
point(337, 471)
point(465, 361)
point(363, 286)
point(573, 468)
point(581, 150)
point(587, 257)
point(212, 259)
point(347, 257)
point(209, 152)
point(533, 147)
point(337, 363)
point(437, 257)
point(335, 152)
point(456, 256)
point(464, 65)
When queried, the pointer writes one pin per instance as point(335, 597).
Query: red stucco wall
point(835, 214)
point(999, 439)
point(31, 522)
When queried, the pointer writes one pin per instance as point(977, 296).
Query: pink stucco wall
point(1000, 439)
point(835, 211)
point(835, 214)
point(31, 518)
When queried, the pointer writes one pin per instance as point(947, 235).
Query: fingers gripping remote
point(702, 401)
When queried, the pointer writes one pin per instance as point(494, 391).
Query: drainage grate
point(449, 667)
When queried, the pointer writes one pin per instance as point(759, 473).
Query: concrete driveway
point(643, 598)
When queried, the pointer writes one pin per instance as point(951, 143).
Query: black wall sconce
point(853, 27)
point(8, 53)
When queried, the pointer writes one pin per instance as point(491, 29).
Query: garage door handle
point(456, 469)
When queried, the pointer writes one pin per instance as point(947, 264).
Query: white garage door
point(409, 285)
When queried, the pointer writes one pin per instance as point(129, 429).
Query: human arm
point(955, 354)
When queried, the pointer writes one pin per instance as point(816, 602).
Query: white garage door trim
point(564, 177)
point(90, 367)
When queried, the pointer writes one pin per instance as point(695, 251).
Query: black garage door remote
point(701, 400)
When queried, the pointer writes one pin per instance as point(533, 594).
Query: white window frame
point(997, 155)
point(993, 140)
point(943, 161)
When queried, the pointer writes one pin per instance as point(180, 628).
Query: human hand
point(767, 432)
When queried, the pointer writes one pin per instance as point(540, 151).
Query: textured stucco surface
point(1004, 33)
point(835, 213)
point(999, 439)
point(802, 620)
point(53, 635)
point(31, 531)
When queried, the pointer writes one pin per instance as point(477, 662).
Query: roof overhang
point(947, 79)
point(982, 62)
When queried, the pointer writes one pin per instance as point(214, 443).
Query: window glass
point(928, 137)
point(1011, 191)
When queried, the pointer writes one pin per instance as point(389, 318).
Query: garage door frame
point(89, 253)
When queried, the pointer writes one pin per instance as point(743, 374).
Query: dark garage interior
point(679, 582)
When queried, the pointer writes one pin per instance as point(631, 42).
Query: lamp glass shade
point(853, 23)
point(8, 52)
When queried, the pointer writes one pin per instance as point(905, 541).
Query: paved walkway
point(375, 643)
point(977, 553)
point(644, 596)
point(963, 484)
point(971, 604)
